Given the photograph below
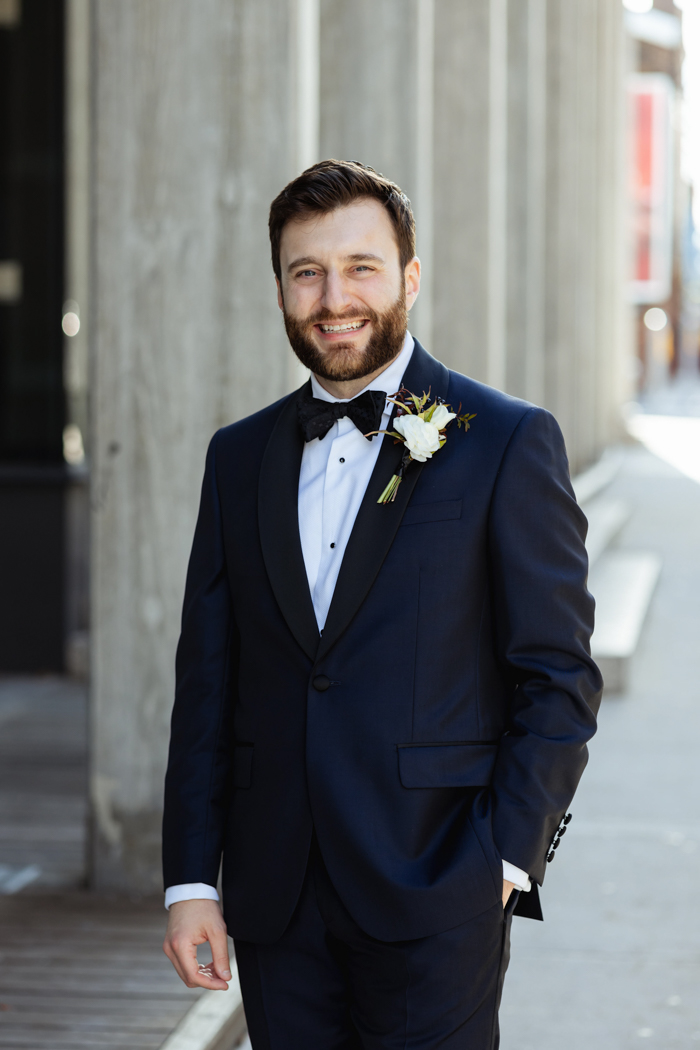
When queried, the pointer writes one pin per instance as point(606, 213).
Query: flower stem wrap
point(389, 493)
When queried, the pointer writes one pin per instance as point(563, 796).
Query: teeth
point(349, 327)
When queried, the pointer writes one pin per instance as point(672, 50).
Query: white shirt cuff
point(194, 891)
point(519, 878)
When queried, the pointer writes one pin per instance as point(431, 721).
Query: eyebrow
point(305, 260)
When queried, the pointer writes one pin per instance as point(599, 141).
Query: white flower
point(421, 438)
point(442, 416)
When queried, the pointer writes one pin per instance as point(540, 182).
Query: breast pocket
point(448, 510)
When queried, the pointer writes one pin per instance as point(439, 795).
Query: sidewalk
point(616, 964)
point(43, 783)
point(78, 970)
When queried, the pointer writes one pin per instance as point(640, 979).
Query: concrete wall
point(463, 195)
point(500, 118)
point(376, 74)
point(528, 199)
point(516, 180)
point(195, 130)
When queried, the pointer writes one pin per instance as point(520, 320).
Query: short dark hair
point(331, 184)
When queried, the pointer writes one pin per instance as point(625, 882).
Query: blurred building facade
point(503, 120)
point(662, 243)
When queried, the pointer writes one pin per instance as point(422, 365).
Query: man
point(382, 708)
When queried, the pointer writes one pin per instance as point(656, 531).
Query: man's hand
point(508, 888)
point(191, 923)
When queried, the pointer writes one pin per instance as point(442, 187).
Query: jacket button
point(321, 683)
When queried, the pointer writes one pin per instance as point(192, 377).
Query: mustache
point(326, 317)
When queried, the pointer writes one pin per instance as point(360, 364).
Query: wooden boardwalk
point(43, 780)
point(77, 970)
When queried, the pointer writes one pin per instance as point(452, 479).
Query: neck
point(343, 391)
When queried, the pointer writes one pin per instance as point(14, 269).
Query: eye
point(306, 273)
point(358, 269)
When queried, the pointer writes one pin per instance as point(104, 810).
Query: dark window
point(31, 234)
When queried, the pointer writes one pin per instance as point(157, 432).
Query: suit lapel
point(376, 524)
point(278, 519)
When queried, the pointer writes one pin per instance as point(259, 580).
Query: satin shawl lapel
point(278, 521)
point(376, 524)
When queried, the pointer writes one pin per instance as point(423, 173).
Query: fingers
point(207, 978)
point(508, 888)
point(183, 956)
point(191, 923)
point(218, 942)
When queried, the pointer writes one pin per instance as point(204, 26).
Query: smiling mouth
point(347, 326)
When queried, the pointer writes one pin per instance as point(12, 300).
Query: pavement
point(616, 964)
point(78, 970)
point(43, 783)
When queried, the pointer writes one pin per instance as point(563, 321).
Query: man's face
point(343, 292)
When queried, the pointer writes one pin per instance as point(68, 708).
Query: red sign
point(651, 109)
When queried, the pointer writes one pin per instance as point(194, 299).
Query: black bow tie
point(316, 417)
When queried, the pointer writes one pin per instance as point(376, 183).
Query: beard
point(343, 362)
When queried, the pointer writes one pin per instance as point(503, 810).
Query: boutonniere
point(420, 423)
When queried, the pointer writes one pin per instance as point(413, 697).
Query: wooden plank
point(73, 1016)
point(73, 1040)
point(65, 985)
point(78, 971)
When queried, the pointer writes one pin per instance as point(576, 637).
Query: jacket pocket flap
point(446, 765)
point(445, 511)
point(242, 765)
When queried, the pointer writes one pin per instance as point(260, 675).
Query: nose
point(336, 298)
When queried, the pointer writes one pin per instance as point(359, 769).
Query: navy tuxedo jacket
point(438, 724)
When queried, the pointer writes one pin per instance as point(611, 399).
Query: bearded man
point(384, 682)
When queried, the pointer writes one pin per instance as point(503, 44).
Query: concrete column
point(614, 350)
point(526, 200)
point(369, 86)
point(570, 306)
point(561, 221)
point(472, 236)
point(422, 194)
point(586, 328)
point(497, 193)
point(583, 302)
point(377, 106)
point(528, 122)
point(533, 379)
point(464, 209)
point(201, 113)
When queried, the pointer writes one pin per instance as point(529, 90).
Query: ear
point(280, 297)
point(412, 279)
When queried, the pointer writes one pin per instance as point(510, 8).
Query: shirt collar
point(389, 380)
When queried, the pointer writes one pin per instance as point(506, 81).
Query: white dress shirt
point(335, 472)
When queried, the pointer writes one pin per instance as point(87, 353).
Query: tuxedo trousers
point(327, 985)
